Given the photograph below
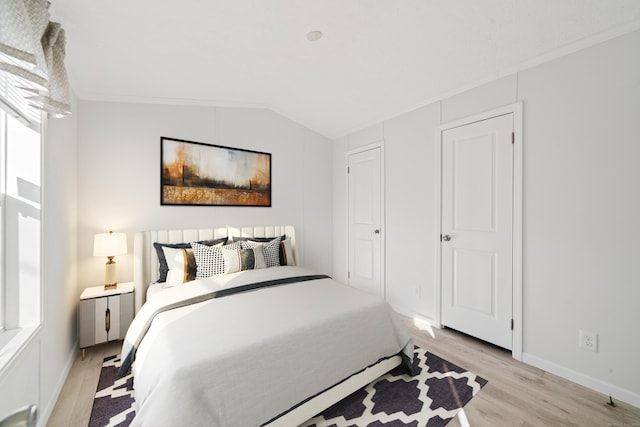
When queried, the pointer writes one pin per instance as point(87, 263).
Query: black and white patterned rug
point(431, 398)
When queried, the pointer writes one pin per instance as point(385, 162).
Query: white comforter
point(243, 359)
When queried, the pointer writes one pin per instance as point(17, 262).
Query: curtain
point(32, 51)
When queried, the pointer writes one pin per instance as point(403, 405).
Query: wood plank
point(518, 395)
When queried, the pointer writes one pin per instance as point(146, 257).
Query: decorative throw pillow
point(285, 259)
point(182, 265)
point(256, 239)
point(233, 245)
point(243, 259)
point(270, 250)
point(163, 268)
point(286, 253)
point(209, 260)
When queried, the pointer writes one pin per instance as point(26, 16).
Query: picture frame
point(199, 174)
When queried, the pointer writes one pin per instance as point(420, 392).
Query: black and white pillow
point(243, 259)
point(233, 245)
point(209, 260)
point(286, 252)
point(163, 268)
point(255, 239)
point(270, 250)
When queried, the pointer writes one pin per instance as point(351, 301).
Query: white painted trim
point(17, 340)
point(500, 111)
point(518, 213)
point(438, 221)
point(188, 102)
point(617, 393)
point(570, 48)
point(383, 224)
point(407, 312)
point(516, 110)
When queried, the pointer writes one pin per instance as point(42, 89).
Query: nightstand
point(105, 315)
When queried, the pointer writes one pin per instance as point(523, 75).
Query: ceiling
point(376, 59)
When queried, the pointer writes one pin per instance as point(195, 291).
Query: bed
point(270, 346)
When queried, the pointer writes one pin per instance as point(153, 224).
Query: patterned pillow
point(270, 250)
point(285, 253)
point(255, 239)
point(163, 268)
point(233, 245)
point(209, 260)
point(243, 259)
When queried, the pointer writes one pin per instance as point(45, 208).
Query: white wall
point(59, 254)
point(119, 169)
point(38, 372)
point(581, 211)
point(581, 208)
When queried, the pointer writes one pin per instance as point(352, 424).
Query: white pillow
point(178, 264)
point(243, 259)
point(288, 253)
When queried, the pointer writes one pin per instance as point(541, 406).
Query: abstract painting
point(194, 173)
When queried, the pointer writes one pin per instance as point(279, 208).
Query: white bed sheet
point(154, 288)
point(243, 359)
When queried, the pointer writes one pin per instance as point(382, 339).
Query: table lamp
point(110, 244)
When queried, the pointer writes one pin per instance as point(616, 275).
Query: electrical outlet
point(588, 340)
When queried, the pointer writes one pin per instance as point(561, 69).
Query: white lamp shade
point(109, 244)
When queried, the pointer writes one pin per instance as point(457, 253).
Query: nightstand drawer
point(105, 315)
point(105, 319)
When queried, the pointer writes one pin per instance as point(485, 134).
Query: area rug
point(431, 398)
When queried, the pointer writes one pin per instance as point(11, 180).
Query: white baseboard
point(617, 393)
point(45, 412)
point(414, 315)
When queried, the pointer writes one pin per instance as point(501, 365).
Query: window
point(33, 80)
point(20, 219)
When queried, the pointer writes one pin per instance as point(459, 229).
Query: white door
point(365, 220)
point(477, 218)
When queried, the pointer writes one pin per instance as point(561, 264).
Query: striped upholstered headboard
point(145, 260)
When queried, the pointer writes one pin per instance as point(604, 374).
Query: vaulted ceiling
point(375, 59)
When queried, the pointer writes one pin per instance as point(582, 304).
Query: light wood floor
point(517, 395)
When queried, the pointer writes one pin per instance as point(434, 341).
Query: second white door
point(365, 220)
point(477, 219)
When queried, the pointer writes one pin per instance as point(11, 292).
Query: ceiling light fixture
point(313, 36)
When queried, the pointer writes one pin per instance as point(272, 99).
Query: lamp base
point(110, 274)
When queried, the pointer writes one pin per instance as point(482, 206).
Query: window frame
point(15, 334)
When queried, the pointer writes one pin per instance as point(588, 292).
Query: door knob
point(446, 238)
point(376, 231)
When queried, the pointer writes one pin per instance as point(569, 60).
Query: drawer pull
point(107, 320)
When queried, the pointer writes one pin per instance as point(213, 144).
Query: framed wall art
point(194, 173)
